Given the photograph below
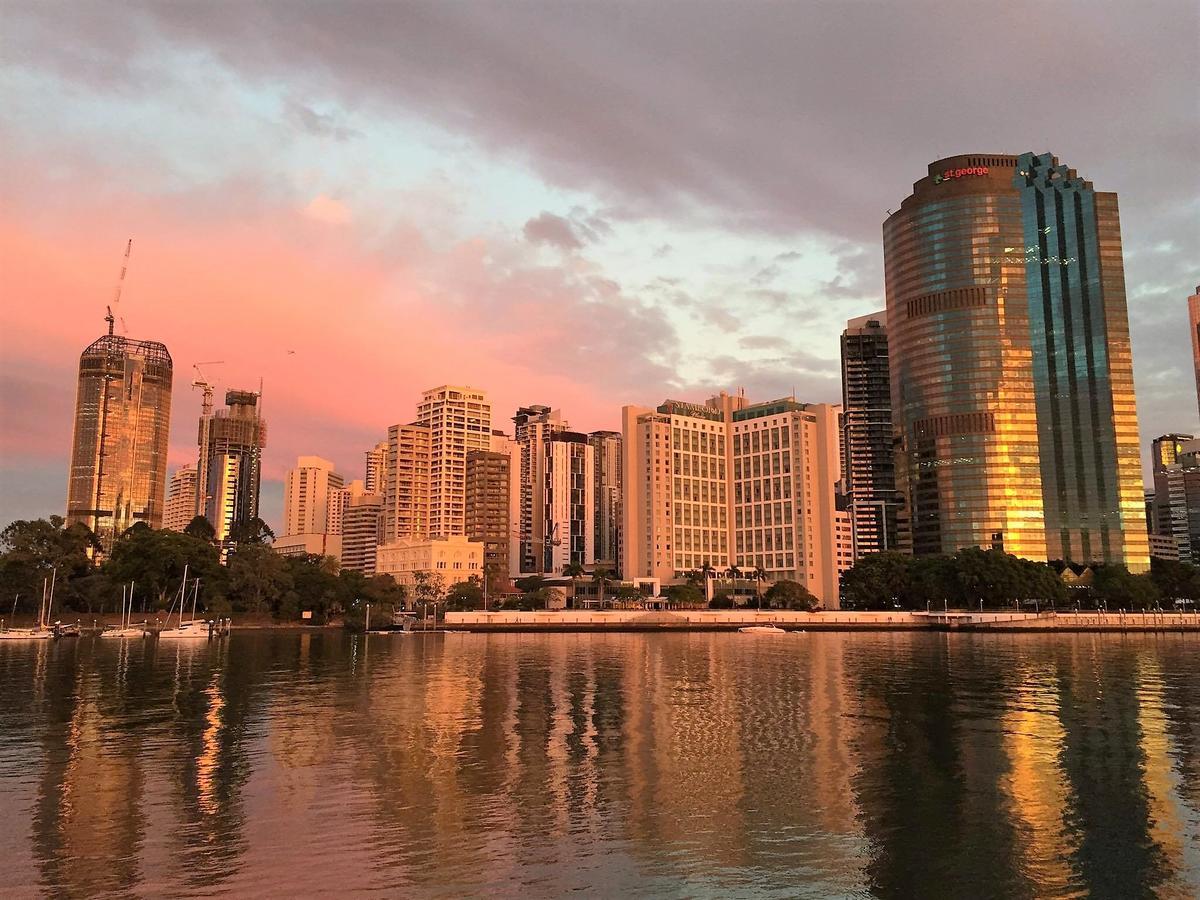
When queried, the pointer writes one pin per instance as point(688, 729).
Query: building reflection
point(904, 765)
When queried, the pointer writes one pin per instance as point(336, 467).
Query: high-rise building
point(1011, 377)
point(488, 516)
point(606, 447)
point(406, 483)
point(119, 449)
point(375, 479)
point(868, 463)
point(459, 420)
point(362, 527)
point(534, 426)
point(309, 491)
point(1194, 328)
point(676, 514)
point(231, 446)
point(569, 497)
point(506, 445)
point(785, 521)
point(1082, 367)
point(1175, 512)
point(181, 499)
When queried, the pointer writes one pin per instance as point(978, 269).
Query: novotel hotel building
point(1012, 377)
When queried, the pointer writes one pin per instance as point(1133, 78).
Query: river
point(673, 765)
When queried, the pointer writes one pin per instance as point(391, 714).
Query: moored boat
point(762, 629)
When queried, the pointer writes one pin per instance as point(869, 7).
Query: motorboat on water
point(762, 629)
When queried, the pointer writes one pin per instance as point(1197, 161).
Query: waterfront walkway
point(731, 620)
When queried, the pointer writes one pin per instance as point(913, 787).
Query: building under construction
point(230, 462)
point(122, 421)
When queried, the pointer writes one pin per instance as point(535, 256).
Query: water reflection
point(894, 764)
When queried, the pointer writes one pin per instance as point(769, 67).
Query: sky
point(582, 205)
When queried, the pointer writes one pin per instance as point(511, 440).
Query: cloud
point(324, 125)
point(323, 208)
point(548, 228)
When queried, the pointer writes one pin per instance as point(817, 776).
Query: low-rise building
point(315, 544)
point(454, 557)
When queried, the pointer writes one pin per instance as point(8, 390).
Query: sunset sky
point(583, 205)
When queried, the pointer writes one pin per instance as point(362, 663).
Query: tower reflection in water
point(824, 764)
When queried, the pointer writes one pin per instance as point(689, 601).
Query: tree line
point(992, 579)
point(255, 581)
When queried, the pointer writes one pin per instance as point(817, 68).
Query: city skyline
point(535, 259)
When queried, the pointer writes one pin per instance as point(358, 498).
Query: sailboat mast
point(53, 579)
point(182, 594)
point(130, 622)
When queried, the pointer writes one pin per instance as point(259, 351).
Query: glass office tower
point(962, 396)
point(1012, 375)
point(118, 470)
point(1092, 486)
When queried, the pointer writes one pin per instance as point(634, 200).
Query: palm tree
point(759, 574)
point(708, 572)
point(574, 571)
point(601, 576)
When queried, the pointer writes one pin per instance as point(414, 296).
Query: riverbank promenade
point(898, 620)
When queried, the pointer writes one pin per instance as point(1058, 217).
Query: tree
point(530, 583)
point(259, 579)
point(156, 560)
point(428, 589)
point(201, 529)
point(1175, 580)
point(32, 549)
point(627, 595)
point(465, 596)
point(574, 571)
point(685, 595)
point(602, 577)
point(315, 588)
point(878, 581)
point(1117, 588)
point(252, 531)
point(787, 594)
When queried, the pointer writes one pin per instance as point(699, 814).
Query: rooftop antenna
point(116, 304)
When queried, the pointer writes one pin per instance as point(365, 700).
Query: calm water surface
point(821, 765)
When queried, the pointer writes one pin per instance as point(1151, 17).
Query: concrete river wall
point(731, 620)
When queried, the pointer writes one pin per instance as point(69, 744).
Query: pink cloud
point(344, 334)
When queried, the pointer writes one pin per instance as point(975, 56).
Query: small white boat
point(43, 631)
point(191, 630)
point(25, 634)
point(762, 629)
point(126, 629)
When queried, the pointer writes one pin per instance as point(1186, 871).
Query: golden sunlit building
point(118, 469)
point(1012, 381)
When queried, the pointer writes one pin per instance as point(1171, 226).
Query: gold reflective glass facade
point(962, 393)
point(118, 469)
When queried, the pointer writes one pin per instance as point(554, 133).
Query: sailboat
point(41, 632)
point(126, 629)
point(192, 629)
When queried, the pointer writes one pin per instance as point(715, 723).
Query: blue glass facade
point(1082, 367)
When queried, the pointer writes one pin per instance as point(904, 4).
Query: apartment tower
point(311, 491)
point(459, 420)
point(868, 464)
point(606, 541)
point(181, 499)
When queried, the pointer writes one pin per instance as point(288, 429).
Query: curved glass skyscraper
point(982, 457)
point(119, 451)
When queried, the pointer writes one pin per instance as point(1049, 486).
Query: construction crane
point(206, 410)
point(115, 308)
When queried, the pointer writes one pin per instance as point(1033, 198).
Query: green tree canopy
point(791, 595)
